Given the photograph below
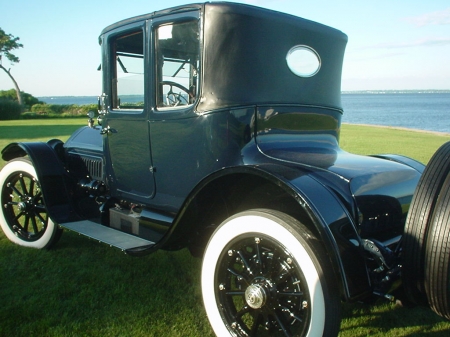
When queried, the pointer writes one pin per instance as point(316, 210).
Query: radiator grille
point(94, 167)
point(87, 165)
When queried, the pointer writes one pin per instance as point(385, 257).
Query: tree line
point(32, 107)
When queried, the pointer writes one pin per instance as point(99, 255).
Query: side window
point(177, 64)
point(128, 77)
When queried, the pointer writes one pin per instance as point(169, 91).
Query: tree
point(7, 44)
point(27, 99)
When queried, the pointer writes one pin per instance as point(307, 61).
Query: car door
point(125, 124)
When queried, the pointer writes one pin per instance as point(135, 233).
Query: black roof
point(244, 57)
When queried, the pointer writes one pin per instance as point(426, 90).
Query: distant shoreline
point(437, 133)
point(344, 92)
point(381, 92)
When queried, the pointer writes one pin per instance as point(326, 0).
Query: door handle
point(108, 130)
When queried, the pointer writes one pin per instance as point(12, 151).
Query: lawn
point(83, 288)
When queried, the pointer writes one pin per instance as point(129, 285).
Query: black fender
point(329, 216)
point(55, 184)
point(337, 231)
point(418, 166)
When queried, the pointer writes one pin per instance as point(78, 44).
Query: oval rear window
point(303, 61)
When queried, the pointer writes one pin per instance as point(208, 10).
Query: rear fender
point(338, 232)
point(328, 216)
point(56, 186)
point(418, 166)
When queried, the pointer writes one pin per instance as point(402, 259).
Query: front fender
point(55, 185)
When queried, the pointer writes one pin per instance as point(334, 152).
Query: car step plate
point(110, 236)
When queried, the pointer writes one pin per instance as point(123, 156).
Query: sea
point(427, 111)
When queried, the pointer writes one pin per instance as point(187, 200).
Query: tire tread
point(437, 255)
point(419, 220)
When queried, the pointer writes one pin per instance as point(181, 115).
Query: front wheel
point(23, 216)
point(265, 274)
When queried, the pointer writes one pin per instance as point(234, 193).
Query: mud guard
point(338, 232)
point(54, 182)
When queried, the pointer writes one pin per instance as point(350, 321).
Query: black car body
point(209, 110)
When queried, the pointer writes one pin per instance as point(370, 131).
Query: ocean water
point(421, 111)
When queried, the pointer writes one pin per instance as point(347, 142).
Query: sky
point(393, 44)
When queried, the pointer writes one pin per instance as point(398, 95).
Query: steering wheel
point(177, 98)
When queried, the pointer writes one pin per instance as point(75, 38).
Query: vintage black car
point(218, 130)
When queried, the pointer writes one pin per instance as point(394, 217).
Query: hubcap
point(22, 206)
point(255, 296)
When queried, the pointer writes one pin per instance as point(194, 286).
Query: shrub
point(60, 110)
point(9, 109)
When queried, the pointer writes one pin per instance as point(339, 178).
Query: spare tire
point(418, 222)
point(437, 255)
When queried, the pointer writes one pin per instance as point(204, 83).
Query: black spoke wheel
point(262, 287)
point(264, 274)
point(23, 217)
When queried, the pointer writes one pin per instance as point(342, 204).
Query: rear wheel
point(23, 216)
point(419, 221)
point(265, 274)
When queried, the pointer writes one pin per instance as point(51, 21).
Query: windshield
point(129, 79)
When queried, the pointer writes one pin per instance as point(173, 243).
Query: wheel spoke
point(291, 314)
point(14, 188)
point(235, 293)
point(245, 309)
point(34, 224)
point(297, 294)
point(259, 261)
point(273, 267)
point(283, 274)
point(281, 325)
point(27, 223)
point(32, 183)
point(256, 323)
point(37, 197)
point(40, 218)
point(235, 273)
point(23, 185)
point(245, 262)
point(39, 208)
point(18, 216)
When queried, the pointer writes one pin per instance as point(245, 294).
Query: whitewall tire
point(265, 274)
point(23, 216)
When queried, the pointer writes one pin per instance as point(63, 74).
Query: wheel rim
point(260, 289)
point(24, 208)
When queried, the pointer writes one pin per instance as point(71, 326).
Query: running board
point(124, 241)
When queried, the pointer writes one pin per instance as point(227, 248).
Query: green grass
point(32, 130)
point(82, 288)
point(377, 140)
